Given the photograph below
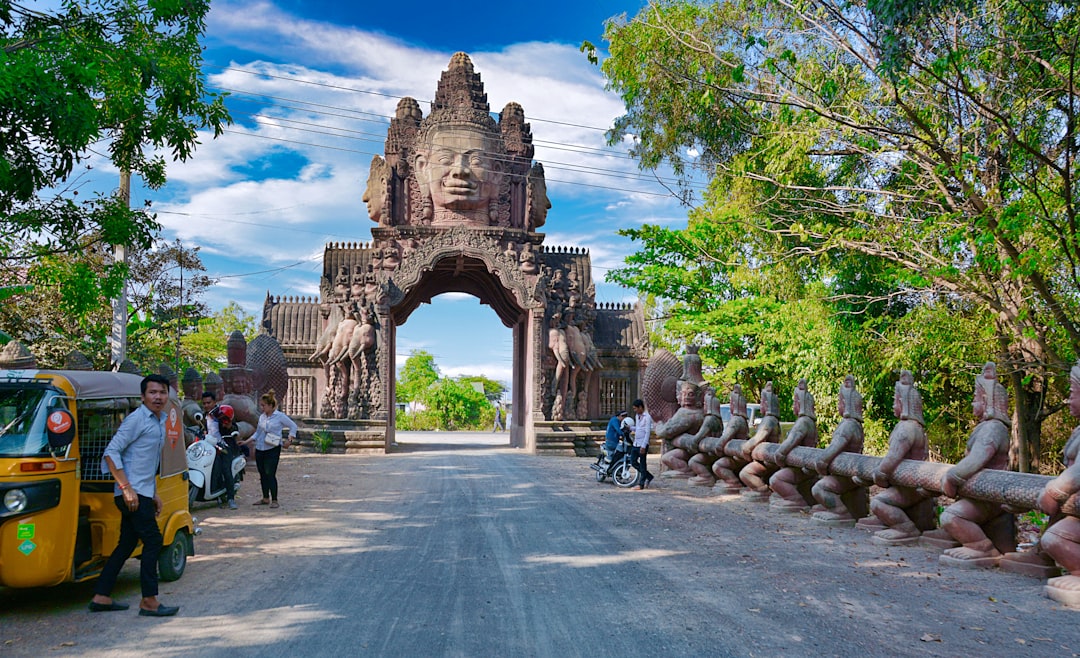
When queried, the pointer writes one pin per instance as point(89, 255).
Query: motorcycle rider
point(219, 430)
point(612, 436)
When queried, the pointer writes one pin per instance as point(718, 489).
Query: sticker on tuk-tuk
point(27, 547)
point(24, 531)
point(173, 431)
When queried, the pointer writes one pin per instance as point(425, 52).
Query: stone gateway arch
point(458, 201)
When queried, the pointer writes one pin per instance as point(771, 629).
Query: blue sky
point(312, 87)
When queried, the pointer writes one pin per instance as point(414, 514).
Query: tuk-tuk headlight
point(15, 500)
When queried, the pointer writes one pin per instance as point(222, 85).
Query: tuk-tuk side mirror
point(61, 428)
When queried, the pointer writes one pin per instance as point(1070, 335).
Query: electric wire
point(573, 148)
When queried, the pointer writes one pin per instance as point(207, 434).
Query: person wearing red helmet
point(220, 435)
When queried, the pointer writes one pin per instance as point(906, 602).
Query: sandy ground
point(456, 545)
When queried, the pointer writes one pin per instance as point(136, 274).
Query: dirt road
point(454, 547)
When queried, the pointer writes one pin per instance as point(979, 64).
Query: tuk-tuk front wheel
point(173, 558)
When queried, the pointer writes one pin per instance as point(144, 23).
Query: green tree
point(204, 349)
point(493, 390)
point(41, 316)
point(455, 404)
point(414, 377)
point(124, 71)
point(935, 142)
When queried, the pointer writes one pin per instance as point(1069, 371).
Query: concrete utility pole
point(118, 335)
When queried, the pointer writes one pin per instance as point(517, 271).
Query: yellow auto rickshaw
point(58, 521)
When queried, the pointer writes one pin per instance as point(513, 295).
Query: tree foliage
point(445, 402)
point(891, 156)
point(204, 348)
point(123, 76)
point(416, 375)
point(455, 404)
point(47, 319)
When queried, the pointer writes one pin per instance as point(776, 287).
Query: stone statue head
point(459, 168)
point(460, 154)
point(538, 203)
point(802, 402)
point(213, 383)
point(907, 402)
point(690, 395)
point(376, 191)
point(192, 384)
point(1074, 390)
point(770, 404)
point(236, 381)
point(850, 401)
point(991, 400)
point(737, 402)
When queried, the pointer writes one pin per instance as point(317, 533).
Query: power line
point(384, 95)
point(348, 150)
point(254, 97)
point(550, 164)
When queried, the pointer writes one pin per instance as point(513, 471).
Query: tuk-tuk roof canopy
point(88, 384)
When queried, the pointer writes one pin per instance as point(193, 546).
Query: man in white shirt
point(643, 423)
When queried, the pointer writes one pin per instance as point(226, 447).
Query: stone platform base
point(698, 481)
point(752, 496)
point(1069, 597)
point(1030, 563)
point(906, 541)
point(568, 438)
point(727, 489)
point(348, 437)
point(670, 473)
point(829, 520)
point(974, 563)
point(938, 539)
point(870, 523)
point(788, 508)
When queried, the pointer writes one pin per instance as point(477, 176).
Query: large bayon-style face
point(459, 169)
point(1074, 392)
point(375, 193)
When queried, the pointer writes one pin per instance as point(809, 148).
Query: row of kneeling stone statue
point(833, 484)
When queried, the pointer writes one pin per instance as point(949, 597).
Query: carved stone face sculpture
point(1074, 391)
point(688, 395)
point(458, 172)
point(539, 203)
point(375, 194)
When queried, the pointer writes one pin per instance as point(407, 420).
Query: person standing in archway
point(643, 423)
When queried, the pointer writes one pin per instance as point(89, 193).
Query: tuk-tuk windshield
point(23, 412)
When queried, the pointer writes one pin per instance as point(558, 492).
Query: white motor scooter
point(205, 483)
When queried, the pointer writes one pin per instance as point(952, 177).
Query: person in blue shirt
point(613, 434)
point(132, 457)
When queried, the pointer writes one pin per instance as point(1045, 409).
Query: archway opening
point(471, 348)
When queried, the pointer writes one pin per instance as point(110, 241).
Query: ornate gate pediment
point(498, 249)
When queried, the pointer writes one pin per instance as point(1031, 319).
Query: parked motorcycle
point(206, 474)
point(618, 466)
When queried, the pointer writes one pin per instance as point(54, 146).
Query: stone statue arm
point(1072, 447)
point(726, 436)
point(840, 443)
point(709, 427)
point(760, 437)
point(899, 447)
point(982, 451)
point(1060, 489)
point(793, 440)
